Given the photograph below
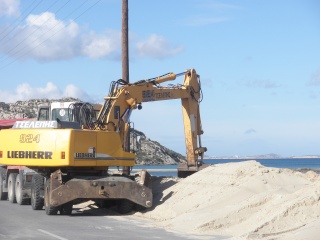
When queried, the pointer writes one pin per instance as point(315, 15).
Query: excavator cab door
point(43, 114)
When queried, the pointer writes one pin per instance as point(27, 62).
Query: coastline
point(263, 157)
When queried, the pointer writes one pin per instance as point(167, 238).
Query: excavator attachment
point(193, 164)
point(184, 170)
point(192, 125)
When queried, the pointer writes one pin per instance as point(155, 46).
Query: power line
point(28, 36)
point(2, 33)
point(87, 9)
point(81, 14)
point(21, 19)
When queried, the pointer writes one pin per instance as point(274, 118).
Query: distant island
point(264, 156)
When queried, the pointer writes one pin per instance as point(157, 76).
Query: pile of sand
point(245, 200)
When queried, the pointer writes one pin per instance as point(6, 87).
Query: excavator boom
point(124, 97)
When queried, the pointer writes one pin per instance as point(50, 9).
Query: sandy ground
point(239, 201)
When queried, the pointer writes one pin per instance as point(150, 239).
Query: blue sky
point(259, 63)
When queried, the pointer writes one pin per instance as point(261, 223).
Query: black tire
point(107, 203)
point(3, 195)
point(21, 200)
point(125, 206)
point(12, 187)
point(66, 209)
point(37, 188)
point(49, 209)
point(139, 208)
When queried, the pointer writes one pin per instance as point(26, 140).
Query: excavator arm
point(125, 97)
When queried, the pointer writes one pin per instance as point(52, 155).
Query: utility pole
point(125, 67)
point(125, 44)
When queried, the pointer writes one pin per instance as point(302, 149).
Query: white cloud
point(315, 79)
point(73, 91)
point(9, 8)
point(45, 38)
point(25, 92)
point(98, 46)
point(157, 47)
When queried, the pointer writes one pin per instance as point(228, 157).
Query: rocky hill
point(147, 150)
point(152, 152)
point(26, 109)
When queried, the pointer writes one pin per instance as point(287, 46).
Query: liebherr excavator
point(71, 160)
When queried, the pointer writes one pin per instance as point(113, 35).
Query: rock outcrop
point(152, 152)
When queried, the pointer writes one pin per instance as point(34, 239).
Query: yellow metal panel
point(34, 147)
point(110, 143)
point(83, 148)
point(43, 147)
point(99, 148)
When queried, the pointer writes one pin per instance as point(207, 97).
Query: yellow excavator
point(70, 159)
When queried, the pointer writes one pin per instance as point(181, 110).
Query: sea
point(302, 164)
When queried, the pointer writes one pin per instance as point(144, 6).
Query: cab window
point(62, 114)
point(43, 114)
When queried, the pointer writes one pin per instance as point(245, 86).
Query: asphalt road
point(21, 222)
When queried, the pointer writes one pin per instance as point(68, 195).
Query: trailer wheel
point(11, 187)
point(3, 195)
point(21, 200)
point(36, 189)
point(49, 209)
point(66, 209)
point(125, 206)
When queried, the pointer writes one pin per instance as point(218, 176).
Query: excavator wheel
point(107, 203)
point(11, 187)
point(37, 187)
point(125, 206)
point(139, 208)
point(50, 210)
point(66, 209)
point(3, 195)
point(21, 200)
